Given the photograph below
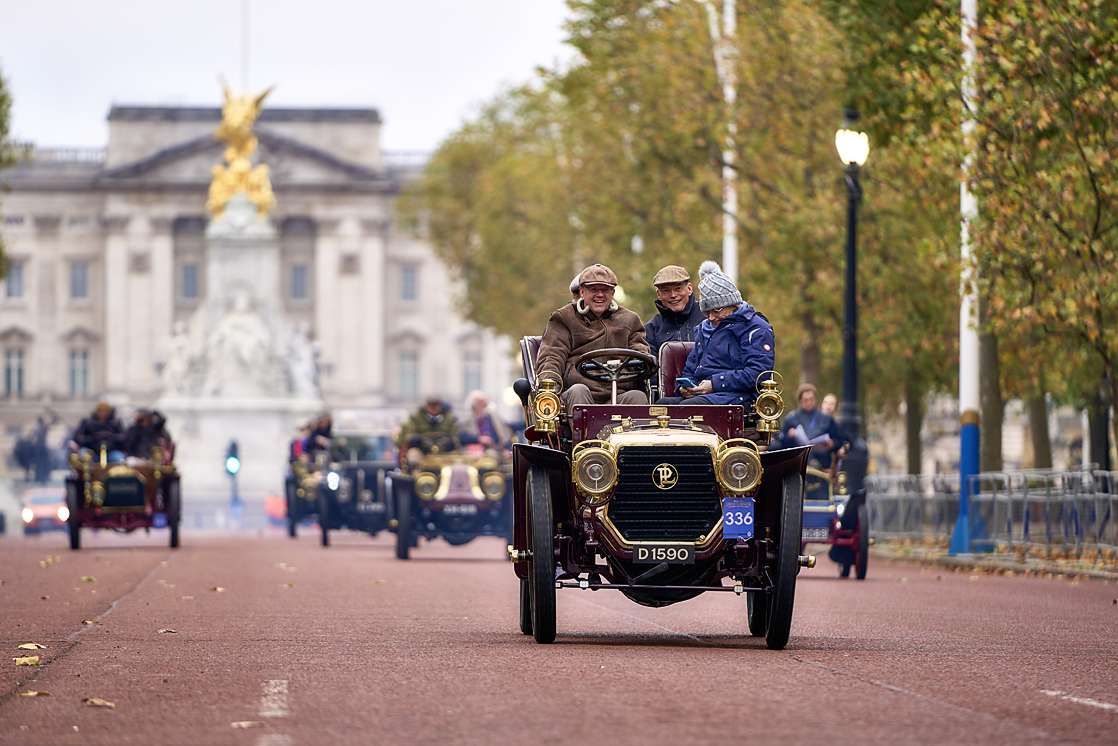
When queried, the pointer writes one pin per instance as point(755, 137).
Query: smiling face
point(715, 315)
point(597, 297)
point(674, 295)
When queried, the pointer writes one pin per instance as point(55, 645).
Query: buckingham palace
point(106, 250)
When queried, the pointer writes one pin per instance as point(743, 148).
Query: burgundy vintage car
point(456, 495)
point(123, 496)
point(661, 503)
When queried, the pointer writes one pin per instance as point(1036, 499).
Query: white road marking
point(273, 699)
point(275, 739)
point(1081, 700)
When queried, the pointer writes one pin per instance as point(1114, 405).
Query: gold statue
point(238, 113)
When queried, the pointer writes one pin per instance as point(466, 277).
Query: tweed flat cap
point(597, 274)
point(669, 274)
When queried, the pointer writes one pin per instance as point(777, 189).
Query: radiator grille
point(690, 509)
point(123, 492)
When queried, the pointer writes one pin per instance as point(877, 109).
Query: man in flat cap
point(592, 321)
point(678, 313)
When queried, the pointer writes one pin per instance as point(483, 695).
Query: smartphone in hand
point(685, 382)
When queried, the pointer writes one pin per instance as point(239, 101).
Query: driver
point(592, 321)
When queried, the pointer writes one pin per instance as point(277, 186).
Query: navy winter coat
point(732, 355)
point(672, 326)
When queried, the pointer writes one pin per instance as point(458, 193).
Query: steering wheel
point(616, 365)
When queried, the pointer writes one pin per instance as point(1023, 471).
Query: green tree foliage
point(6, 155)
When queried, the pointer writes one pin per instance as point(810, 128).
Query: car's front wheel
point(757, 612)
point(324, 518)
point(403, 520)
point(787, 563)
point(525, 608)
point(541, 565)
point(862, 559)
point(73, 523)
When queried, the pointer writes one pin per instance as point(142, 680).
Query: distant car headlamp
point(546, 406)
point(493, 485)
point(594, 469)
point(738, 466)
point(333, 481)
point(840, 508)
point(63, 513)
point(426, 485)
point(27, 514)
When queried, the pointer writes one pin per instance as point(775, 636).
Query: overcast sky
point(425, 64)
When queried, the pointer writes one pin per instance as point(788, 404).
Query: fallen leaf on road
point(31, 646)
point(44, 598)
point(88, 579)
point(246, 724)
point(288, 585)
point(218, 589)
point(32, 693)
point(27, 660)
point(98, 702)
point(168, 631)
point(89, 621)
point(188, 598)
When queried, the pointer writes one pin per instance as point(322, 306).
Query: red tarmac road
point(307, 645)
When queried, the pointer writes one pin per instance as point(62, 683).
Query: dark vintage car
point(834, 517)
point(457, 496)
point(662, 503)
point(123, 496)
point(352, 491)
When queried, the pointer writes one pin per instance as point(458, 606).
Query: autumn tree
point(6, 155)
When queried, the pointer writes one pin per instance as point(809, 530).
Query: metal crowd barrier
point(1049, 514)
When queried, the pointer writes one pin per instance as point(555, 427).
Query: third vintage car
point(836, 518)
point(352, 491)
point(661, 503)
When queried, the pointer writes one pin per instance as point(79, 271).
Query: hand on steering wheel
point(616, 364)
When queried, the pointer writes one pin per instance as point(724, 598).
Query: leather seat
point(529, 348)
point(673, 356)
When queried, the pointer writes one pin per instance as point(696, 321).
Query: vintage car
point(44, 509)
point(662, 503)
point(457, 496)
point(831, 516)
point(353, 493)
point(123, 496)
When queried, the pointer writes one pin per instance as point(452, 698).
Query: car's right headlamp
point(738, 466)
point(546, 405)
point(594, 469)
point(769, 405)
point(426, 485)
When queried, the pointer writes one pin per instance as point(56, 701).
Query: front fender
point(558, 465)
point(776, 465)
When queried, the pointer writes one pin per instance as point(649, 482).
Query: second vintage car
point(352, 491)
point(661, 503)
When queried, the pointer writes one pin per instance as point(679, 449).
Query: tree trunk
point(913, 422)
point(993, 406)
point(1037, 408)
point(1098, 432)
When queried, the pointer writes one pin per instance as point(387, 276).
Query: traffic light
point(232, 459)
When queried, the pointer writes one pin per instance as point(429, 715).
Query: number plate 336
point(737, 518)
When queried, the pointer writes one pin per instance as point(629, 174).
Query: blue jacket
point(672, 326)
point(732, 355)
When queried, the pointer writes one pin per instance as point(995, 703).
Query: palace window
point(409, 282)
point(188, 278)
point(13, 282)
point(471, 371)
point(409, 374)
point(79, 279)
point(13, 373)
point(79, 373)
point(300, 281)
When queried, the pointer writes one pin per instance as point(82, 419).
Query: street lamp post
point(853, 148)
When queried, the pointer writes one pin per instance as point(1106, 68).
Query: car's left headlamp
point(493, 485)
point(738, 466)
point(594, 469)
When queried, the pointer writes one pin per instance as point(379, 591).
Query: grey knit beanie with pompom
point(716, 289)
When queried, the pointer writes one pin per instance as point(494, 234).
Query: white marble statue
point(302, 363)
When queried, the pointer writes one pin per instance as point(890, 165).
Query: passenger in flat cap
point(677, 310)
point(591, 321)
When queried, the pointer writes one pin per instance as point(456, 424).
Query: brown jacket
point(569, 334)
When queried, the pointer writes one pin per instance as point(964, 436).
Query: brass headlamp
point(594, 470)
point(493, 485)
point(738, 466)
point(545, 406)
point(426, 485)
point(769, 405)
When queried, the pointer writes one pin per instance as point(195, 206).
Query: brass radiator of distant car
point(665, 493)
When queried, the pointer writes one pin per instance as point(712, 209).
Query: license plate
point(460, 509)
point(370, 507)
point(816, 533)
point(673, 555)
point(737, 518)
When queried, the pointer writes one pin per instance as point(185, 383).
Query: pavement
point(282, 642)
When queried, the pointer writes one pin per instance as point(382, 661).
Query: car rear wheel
point(403, 521)
point(174, 511)
point(324, 518)
point(541, 565)
point(73, 523)
point(757, 612)
point(787, 563)
point(862, 559)
point(525, 608)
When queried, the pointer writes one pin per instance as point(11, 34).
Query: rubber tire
point(757, 612)
point(324, 519)
point(844, 570)
point(174, 511)
point(75, 534)
point(403, 526)
point(292, 529)
point(787, 563)
point(862, 558)
point(541, 565)
point(525, 608)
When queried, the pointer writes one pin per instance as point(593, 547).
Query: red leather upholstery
point(529, 348)
point(673, 356)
